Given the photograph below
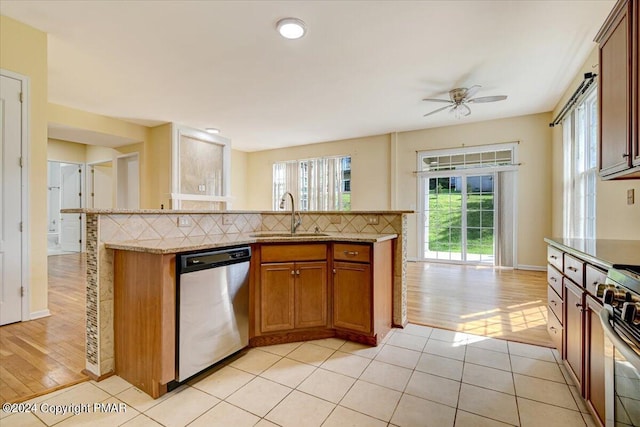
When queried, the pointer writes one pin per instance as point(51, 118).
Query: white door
point(70, 198)
point(102, 186)
point(10, 201)
point(128, 182)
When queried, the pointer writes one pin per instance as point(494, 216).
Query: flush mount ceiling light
point(212, 130)
point(291, 28)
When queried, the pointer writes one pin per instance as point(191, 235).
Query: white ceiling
point(362, 69)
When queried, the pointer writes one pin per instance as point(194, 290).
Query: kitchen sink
point(288, 235)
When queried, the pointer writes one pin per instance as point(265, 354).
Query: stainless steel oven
point(620, 319)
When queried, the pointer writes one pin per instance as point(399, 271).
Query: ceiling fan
point(460, 97)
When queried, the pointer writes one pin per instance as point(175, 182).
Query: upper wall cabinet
point(618, 92)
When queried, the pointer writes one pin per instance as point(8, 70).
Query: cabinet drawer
point(574, 269)
point(554, 257)
point(555, 302)
point(351, 252)
point(554, 327)
point(289, 253)
point(554, 279)
point(593, 277)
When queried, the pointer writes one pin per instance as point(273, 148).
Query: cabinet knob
point(334, 271)
point(553, 257)
point(293, 272)
point(573, 269)
point(298, 272)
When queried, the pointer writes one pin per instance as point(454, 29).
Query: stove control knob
point(608, 295)
point(630, 312)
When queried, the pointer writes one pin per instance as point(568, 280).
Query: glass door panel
point(459, 218)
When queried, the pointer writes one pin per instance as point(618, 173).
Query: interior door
point(70, 198)
point(128, 182)
point(102, 186)
point(10, 201)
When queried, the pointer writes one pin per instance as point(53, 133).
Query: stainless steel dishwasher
point(212, 307)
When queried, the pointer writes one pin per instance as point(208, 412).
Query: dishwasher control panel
point(211, 259)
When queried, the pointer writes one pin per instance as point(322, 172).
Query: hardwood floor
point(499, 303)
point(42, 355)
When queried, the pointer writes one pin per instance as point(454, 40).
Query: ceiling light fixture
point(212, 130)
point(291, 28)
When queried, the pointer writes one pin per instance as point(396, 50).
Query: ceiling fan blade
point(437, 100)
point(465, 110)
point(488, 99)
point(472, 91)
point(438, 110)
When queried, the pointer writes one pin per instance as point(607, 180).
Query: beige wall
point(534, 176)
point(380, 162)
point(23, 50)
point(65, 151)
point(239, 181)
point(370, 178)
point(614, 218)
point(159, 176)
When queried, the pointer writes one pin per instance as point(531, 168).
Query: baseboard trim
point(97, 378)
point(531, 267)
point(40, 314)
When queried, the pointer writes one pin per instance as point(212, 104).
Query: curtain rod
point(589, 78)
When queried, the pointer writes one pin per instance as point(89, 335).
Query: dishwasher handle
point(212, 259)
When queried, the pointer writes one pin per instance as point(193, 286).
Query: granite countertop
point(188, 212)
point(602, 252)
point(187, 244)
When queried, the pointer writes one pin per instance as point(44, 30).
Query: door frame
point(83, 200)
point(89, 184)
point(24, 190)
point(116, 172)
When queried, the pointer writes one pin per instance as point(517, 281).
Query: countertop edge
point(579, 254)
point(139, 246)
point(231, 212)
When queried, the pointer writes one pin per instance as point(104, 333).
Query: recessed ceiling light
point(212, 130)
point(291, 28)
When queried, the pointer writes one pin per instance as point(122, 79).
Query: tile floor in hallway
point(420, 376)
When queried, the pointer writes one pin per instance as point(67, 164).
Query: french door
point(458, 217)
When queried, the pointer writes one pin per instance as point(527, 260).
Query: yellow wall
point(239, 182)
point(370, 179)
point(159, 176)
point(614, 218)
point(372, 170)
point(65, 151)
point(23, 50)
point(534, 180)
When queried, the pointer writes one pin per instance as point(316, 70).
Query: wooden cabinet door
point(635, 140)
point(573, 329)
point(277, 296)
point(594, 359)
point(615, 95)
point(352, 298)
point(310, 294)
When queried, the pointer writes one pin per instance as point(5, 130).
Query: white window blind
point(580, 146)
point(320, 184)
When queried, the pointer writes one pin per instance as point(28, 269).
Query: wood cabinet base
point(296, 336)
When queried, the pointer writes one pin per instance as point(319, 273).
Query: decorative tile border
point(114, 228)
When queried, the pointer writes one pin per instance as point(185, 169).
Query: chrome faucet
point(295, 223)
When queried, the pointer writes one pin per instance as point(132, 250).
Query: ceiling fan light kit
point(459, 98)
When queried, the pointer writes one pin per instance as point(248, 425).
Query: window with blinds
point(320, 184)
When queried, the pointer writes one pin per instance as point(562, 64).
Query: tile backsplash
point(119, 227)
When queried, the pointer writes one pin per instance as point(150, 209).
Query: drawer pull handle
point(352, 253)
point(625, 155)
point(573, 269)
point(553, 328)
point(553, 257)
point(578, 305)
point(553, 302)
point(554, 279)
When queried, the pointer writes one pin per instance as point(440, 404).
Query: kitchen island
point(165, 232)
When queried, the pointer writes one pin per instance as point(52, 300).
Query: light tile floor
point(418, 377)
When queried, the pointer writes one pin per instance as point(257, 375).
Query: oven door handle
point(625, 349)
